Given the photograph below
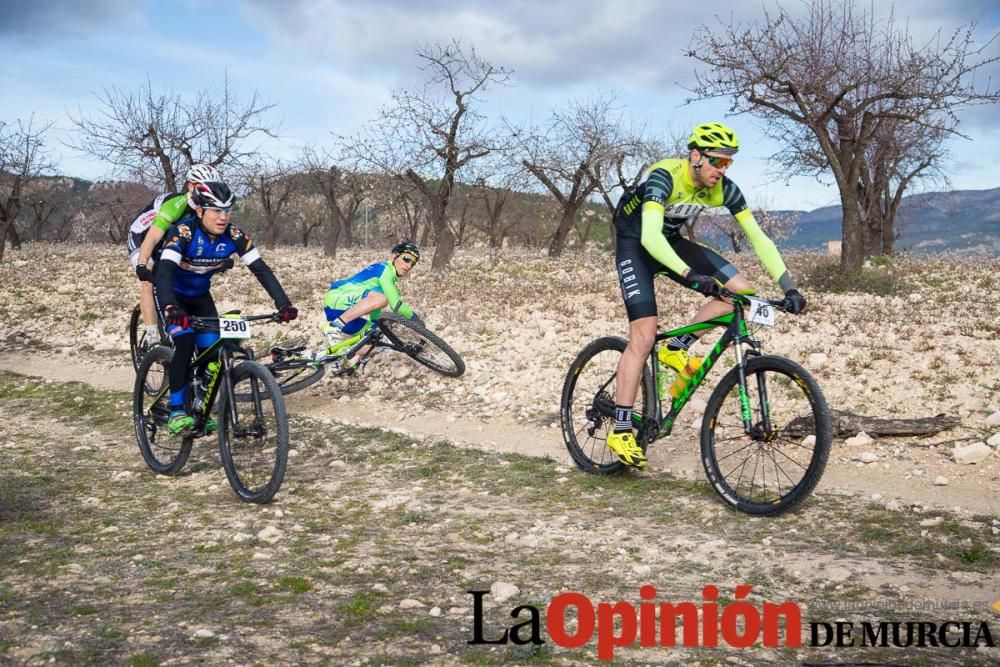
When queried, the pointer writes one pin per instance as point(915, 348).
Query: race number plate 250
point(234, 327)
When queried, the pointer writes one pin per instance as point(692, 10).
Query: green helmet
point(714, 137)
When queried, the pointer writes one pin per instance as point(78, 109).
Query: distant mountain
point(966, 221)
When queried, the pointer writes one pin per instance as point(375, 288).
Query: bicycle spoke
point(765, 466)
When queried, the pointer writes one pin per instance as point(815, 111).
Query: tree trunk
point(444, 248)
point(332, 238)
point(846, 424)
point(562, 231)
point(852, 254)
point(13, 236)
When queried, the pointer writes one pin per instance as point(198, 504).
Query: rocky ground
point(376, 536)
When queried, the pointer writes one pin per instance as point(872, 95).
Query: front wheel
point(774, 467)
point(415, 340)
point(253, 434)
point(163, 453)
point(587, 409)
point(292, 374)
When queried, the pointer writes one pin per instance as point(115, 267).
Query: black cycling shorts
point(636, 268)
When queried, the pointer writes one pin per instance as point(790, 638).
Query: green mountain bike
point(253, 434)
point(766, 431)
point(295, 368)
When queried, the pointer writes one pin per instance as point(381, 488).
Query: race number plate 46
point(761, 312)
point(234, 327)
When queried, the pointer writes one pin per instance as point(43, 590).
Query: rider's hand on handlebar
point(795, 303)
point(174, 316)
point(227, 264)
point(143, 273)
point(287, 313)
point(704, 284)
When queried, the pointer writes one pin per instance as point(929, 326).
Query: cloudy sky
point(329, 65)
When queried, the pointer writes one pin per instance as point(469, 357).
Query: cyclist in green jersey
point(648, 221)
point(350, 301)
point(147, 231)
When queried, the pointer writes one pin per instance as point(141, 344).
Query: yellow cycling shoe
point(627, 449)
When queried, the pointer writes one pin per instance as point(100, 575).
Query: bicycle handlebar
point(781, 304)
point(207, 322)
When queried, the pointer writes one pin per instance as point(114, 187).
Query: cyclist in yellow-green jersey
point(648, 223)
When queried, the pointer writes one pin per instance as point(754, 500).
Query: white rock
point(928, 523)
point(435, 611)
point(860, 439)
point(809, 441)
point(974, 453)
point(867, 457)
point(409, 603)
point(642, 570)
point(993, 419)
point(502, 591)
point(269, 535)
point(818, 359)
point(381, 588)
point(940, 480)
point(202, 633)
point(994, 440)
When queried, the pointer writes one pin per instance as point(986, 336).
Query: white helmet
point(203, 173)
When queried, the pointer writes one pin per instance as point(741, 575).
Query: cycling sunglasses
point(718, 161)
point(410, 259)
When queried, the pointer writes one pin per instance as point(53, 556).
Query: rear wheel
point(139, 342)
point(774, 467)
point(587, 410)
point(163, 453)
point(253, 434)
point(425, 347)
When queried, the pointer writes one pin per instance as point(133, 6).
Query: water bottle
point(692, 366)
point(198, 398)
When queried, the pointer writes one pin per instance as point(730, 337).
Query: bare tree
point(571, 153)
point(46, 198)
point(776, 224)
point(430, 136)
point(269, 186)
point(344, 193)
point(152, 137)
point(112, 206)
point(828, 85)
point(22, 160)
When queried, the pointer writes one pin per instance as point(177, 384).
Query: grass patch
point(360, 607)
point(881, 279)
point(294, 583)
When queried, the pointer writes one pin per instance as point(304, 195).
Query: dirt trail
point(907, 478)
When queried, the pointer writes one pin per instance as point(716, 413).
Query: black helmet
point(214, 194)
point(406, 246)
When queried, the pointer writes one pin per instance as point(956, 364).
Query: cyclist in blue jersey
point(194, 250)
point(147, 230)
point(367, 292)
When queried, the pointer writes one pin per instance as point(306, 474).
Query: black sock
point(681, 342)
point(623, 418)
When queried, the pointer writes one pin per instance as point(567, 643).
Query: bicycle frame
point(225, 351)
point(736, 332)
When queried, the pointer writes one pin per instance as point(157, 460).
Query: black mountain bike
point(253, 434)
point(766, 431)
point(296, 368)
